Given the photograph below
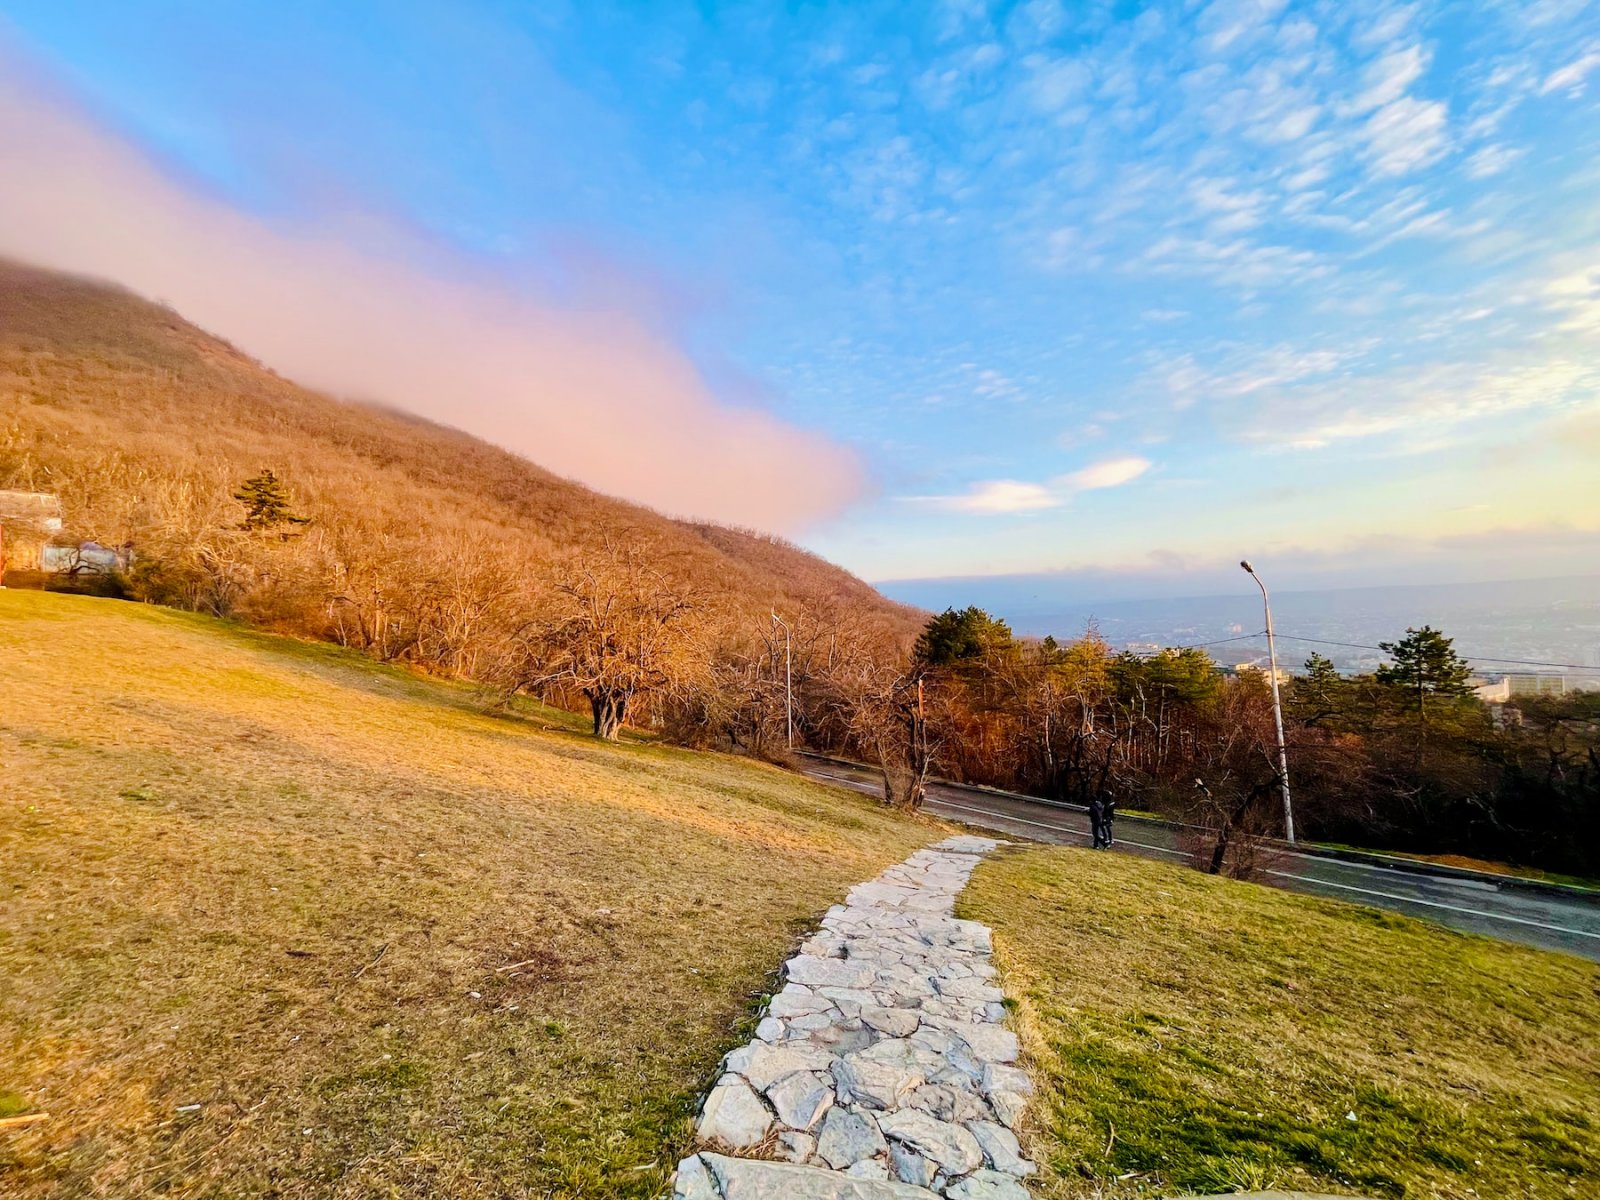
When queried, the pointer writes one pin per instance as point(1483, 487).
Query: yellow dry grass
point(259, 901)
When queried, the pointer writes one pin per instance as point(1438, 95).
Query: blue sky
point(1121, 290)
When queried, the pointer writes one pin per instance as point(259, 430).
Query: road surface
point(1551, 922)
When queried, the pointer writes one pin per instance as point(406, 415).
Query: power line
point(1244, 637)
point(1522, 662)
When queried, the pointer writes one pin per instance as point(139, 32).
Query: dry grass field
point(275, 920)
point(1190, 1033)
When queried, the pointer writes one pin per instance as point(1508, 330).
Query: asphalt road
point(1551, 922)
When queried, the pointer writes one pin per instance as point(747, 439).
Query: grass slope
point(1226, 1031)
point(258, 897)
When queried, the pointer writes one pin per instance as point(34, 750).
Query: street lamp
point(1277, 707)
point(788, 681)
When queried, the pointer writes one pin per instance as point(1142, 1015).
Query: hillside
point(145, 425)
point(282, 921)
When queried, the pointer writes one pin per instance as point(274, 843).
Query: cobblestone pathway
point(882, 1070)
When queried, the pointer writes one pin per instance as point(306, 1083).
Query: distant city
point(1505, 628)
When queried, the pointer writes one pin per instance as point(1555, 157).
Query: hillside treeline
point(409, 541)
point(1406, 759)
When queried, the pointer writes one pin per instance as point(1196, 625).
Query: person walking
point(1108, 814)
point(1097, 823)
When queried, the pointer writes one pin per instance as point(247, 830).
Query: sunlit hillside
point(280, 921)
point(145, 425)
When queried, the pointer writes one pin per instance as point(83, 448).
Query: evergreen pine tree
point(1425, 664)
point(965, 636)
point(1318, 696)
point(267, 503)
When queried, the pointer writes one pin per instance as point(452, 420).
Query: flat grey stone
point(801, 1099)
point(987, 1185)
point(860, 997)
point(840, 1040)
point(797, 1000)
point(969, 987)
point(734, 1115)
point(867, 1168)
point(1008, 1106)
point(878, 1082)
point(895, 1022)
point(969, 844)
point(693, 1181)
point(829, 972)
point(952, 1147)
point(768, 1063)
point(796, 1147)
point(752, 1179)
point(911, 1167)
point(1000, 1148)
point(949, 1102)
point(999, 1077)
point(847, 1137)
point(988, 1043)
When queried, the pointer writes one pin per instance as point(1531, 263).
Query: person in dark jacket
point(1108, 814)
point(1097, 823)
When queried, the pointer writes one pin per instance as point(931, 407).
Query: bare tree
point(1234, 749)
point(884, 708)
point(616, 631)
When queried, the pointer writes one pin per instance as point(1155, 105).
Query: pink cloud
point(360, 307)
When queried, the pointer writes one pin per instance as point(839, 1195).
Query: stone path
point(882, 1070)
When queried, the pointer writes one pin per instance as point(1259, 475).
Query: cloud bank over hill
point(365, 308)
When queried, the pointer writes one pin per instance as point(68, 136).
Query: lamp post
point(788, 681)
point(1277, 707)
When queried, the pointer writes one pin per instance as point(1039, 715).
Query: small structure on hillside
point(28, 521)
point(86, 558)
point(1496, 691)
point(32, 543)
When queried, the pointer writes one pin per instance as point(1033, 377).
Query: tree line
point(1405, 758)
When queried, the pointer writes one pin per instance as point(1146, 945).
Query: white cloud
point(1576, 296)
point(1492, 160)
point(362, 307)
point(1387, 79)
point(1238, 261)
point(1291, 125)
point(1227, 211)
point(997, 497)
point(1056, 82)
point(1230, 24)
point(1108, 473)
point(1188, 383)
point(1405, 135)
point(1572, 77)
point(1385, 26)
point(1416, 405)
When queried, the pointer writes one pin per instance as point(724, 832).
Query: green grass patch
point(1192, 1034)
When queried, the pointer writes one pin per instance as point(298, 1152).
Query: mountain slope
point(142, 422)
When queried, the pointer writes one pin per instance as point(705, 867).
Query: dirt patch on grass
point(259, 900)
point(1193, 1034)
